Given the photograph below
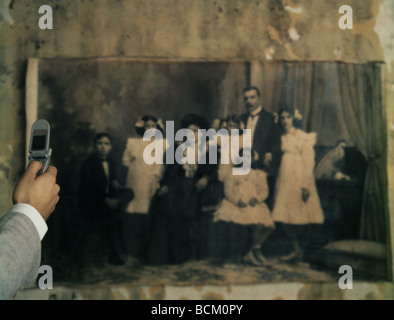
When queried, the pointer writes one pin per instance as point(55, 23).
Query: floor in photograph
point(195, 273)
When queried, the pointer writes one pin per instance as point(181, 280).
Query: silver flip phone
point(39, 144)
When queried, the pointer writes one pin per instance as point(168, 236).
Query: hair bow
point(140, 123)
point(297, 115)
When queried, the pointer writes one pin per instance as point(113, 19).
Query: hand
point(40, 192)
point(268, 159)
point(305, 194)
point(253, 202)
point(113, 203)
point(242, 204)
point(163, 191)
point(116, 185)
point(256, 156)
point(340, 176)
point(201, 184)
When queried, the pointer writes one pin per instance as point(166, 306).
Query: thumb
point(32, 170)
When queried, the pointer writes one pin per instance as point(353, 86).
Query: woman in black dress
point(176, 208)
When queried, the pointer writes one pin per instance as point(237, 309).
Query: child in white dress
point(144, 180)
point(296, 199)
point(244, 204)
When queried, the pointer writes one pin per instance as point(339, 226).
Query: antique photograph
point(313, 196)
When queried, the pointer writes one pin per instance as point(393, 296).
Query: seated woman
point(175, 234)
point(223, 242)
point(331, 165)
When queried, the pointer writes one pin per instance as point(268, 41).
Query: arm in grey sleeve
point(20, 253)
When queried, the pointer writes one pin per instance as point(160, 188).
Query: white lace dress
point(244, 188)
point(142, 178)
point(295, 173)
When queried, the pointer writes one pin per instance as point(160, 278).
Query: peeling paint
point(290, 52)
point(4, 11)
point(274, 34)
point(269, 53)
point(294, 10)
point(293, 34)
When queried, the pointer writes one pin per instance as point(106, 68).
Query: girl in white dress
point(296, 200)
point(144, 180)
point(244, 204)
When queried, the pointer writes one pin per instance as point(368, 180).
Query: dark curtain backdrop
point(297, 85)
point(361, 93)
point(230, 96)
point(302, 86)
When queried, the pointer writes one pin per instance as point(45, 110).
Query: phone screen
point(38, 142)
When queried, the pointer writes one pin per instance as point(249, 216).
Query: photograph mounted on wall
point(262, 172)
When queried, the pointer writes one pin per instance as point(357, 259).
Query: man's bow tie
point(254, 115)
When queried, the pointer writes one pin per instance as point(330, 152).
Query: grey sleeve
point(20, 253)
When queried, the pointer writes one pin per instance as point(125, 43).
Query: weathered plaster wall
point(208, 29)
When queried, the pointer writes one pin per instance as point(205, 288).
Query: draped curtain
point(269, 78)
point(297, 85)
point(301, 85)
point(230, 90)
point(361, 94)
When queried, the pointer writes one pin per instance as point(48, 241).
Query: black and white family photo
point(305, 195)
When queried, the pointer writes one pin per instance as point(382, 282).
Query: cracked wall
point(206, 29)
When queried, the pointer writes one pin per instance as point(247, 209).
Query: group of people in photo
point(180, 212)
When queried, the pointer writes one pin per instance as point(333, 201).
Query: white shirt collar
point(257, 111)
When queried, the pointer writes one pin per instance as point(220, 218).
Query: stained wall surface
point(204, 29)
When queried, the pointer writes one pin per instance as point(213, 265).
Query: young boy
point(97, 200)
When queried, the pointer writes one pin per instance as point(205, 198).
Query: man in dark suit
point(97, 198)
point(265, 132)
point(266, 143)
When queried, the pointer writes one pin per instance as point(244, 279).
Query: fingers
point(51, 171)
point(32, 169)
point(55, 192)
point(55, 199)
point(49, 175)
point(52, 207)
point(35, 166)
point(56, 189)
